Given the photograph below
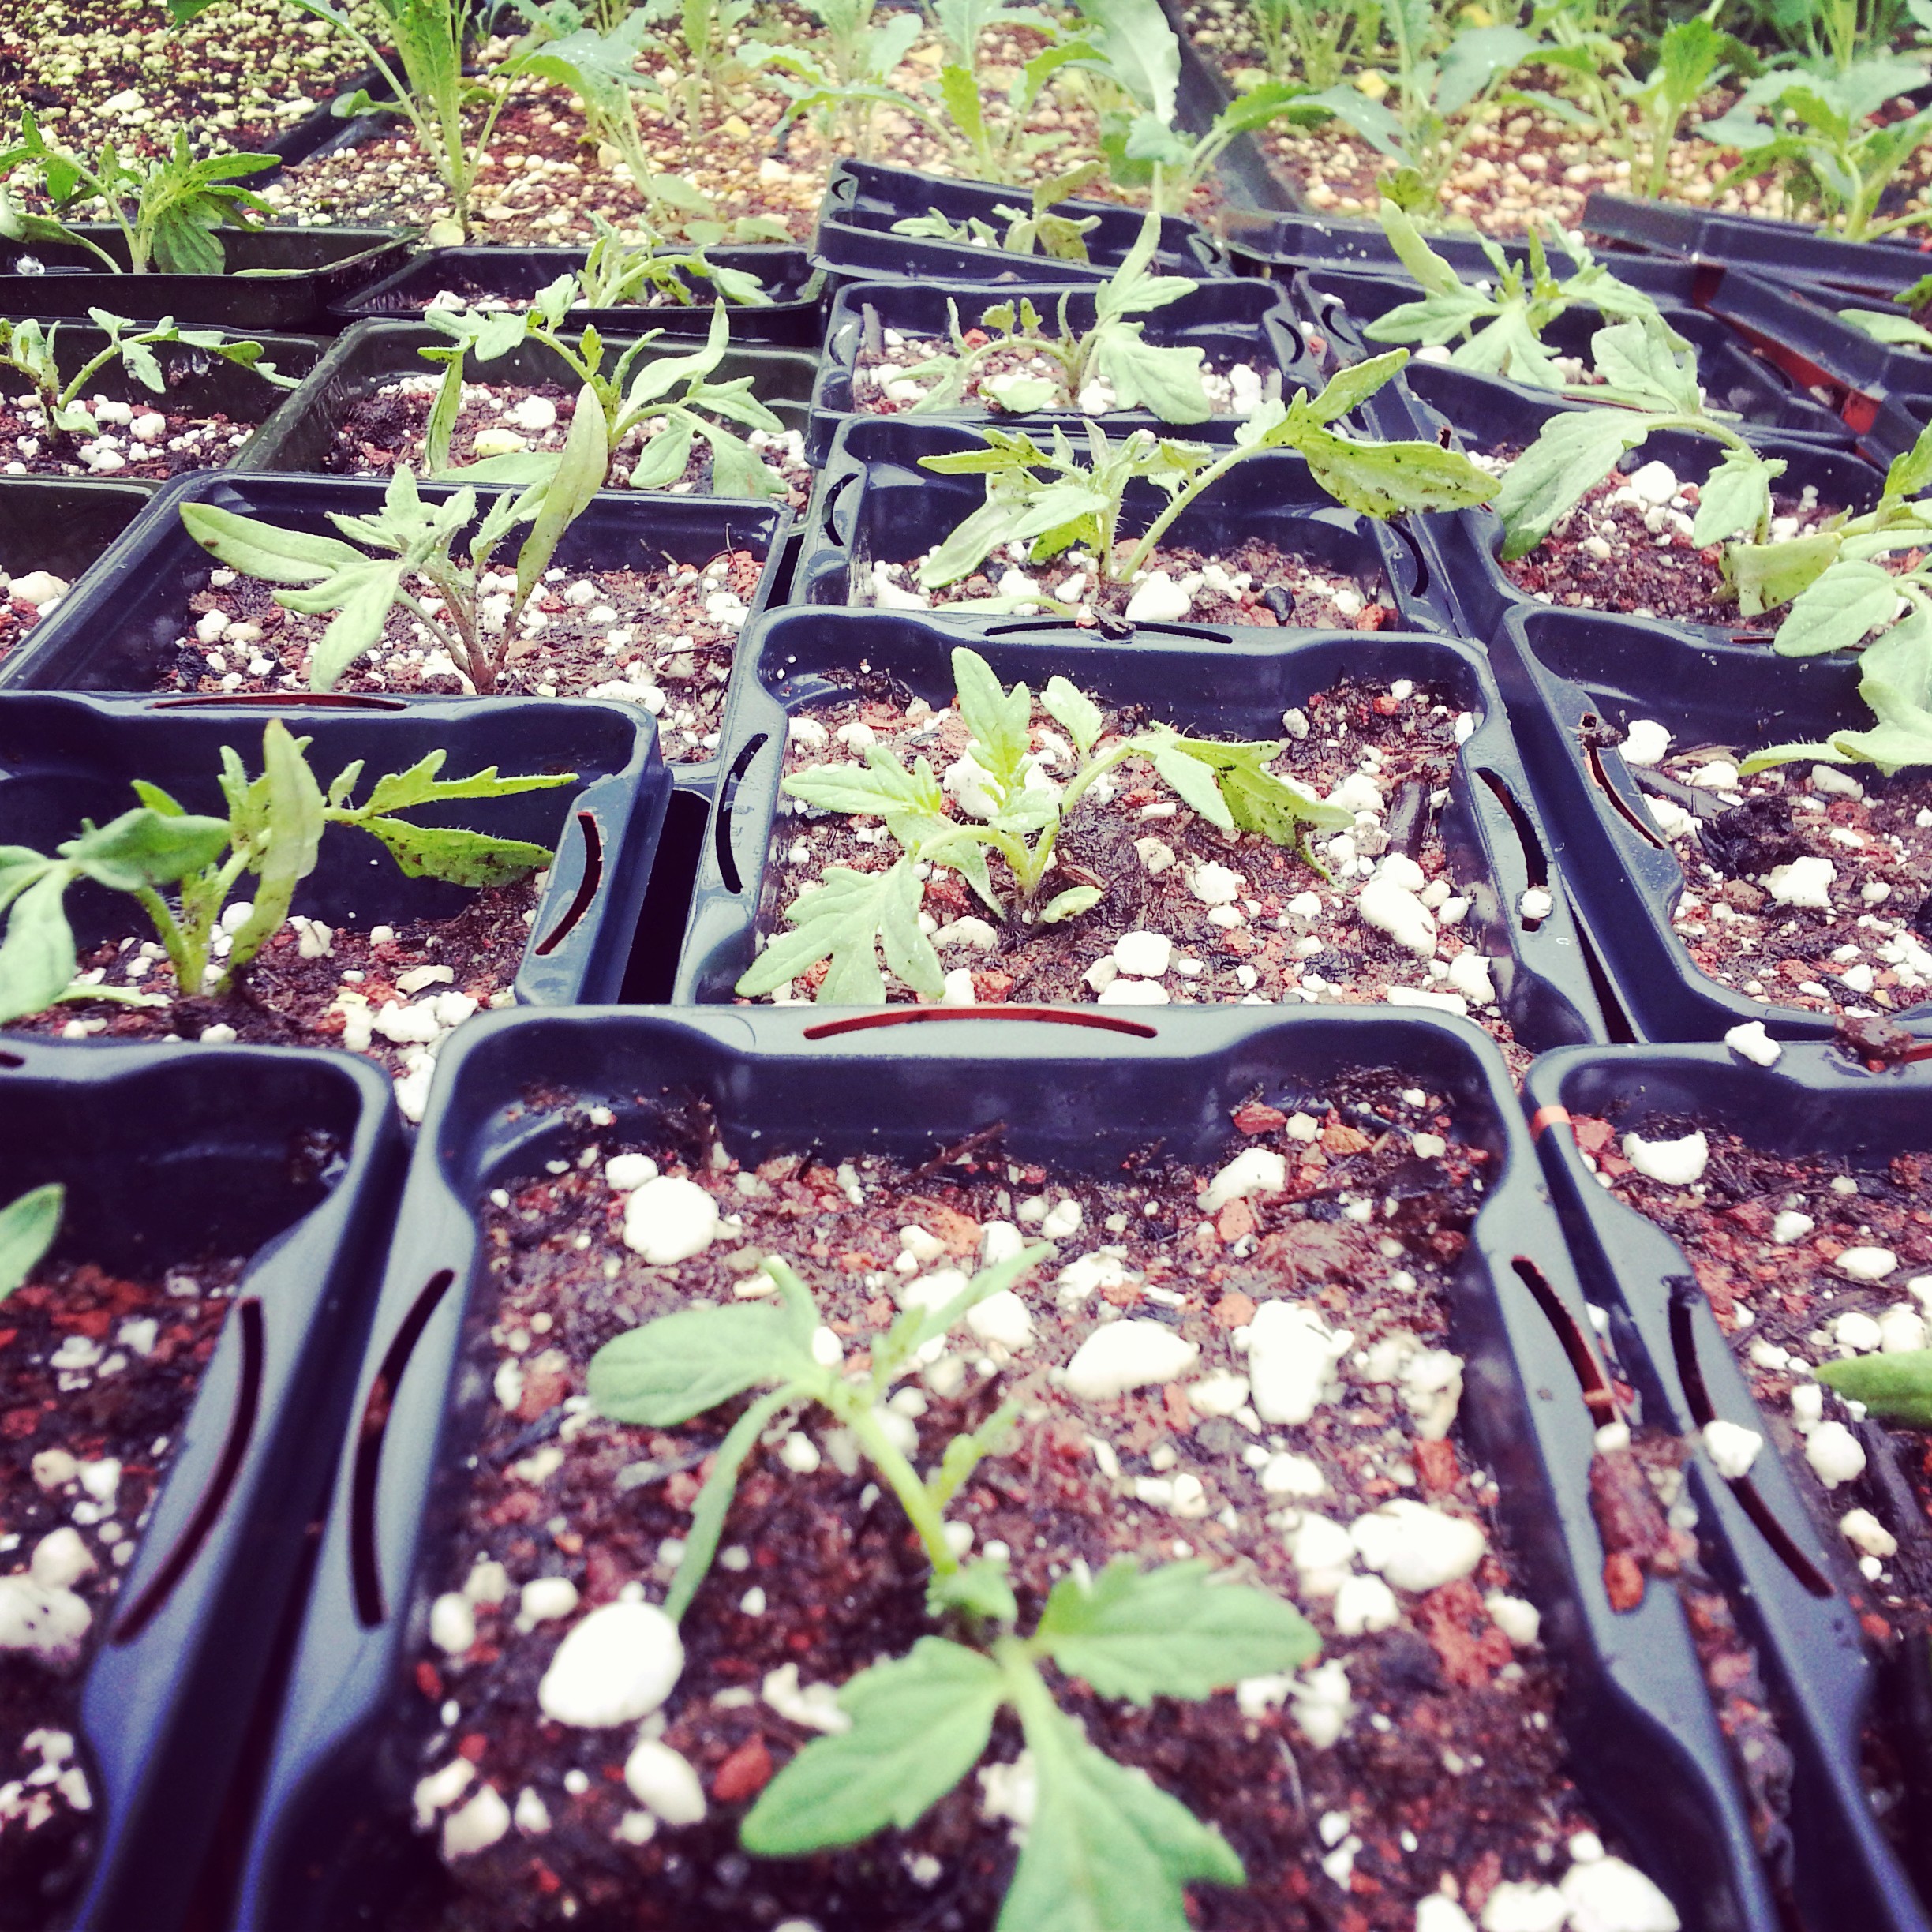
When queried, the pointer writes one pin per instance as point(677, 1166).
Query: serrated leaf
point(1386, 479)
point(1735, 496)
point(1436, 319)
point(1348, 388)
point(1577, 449)
point(919, 1724)
point(981, 1589)
point(845, 920)
point(1194, 783)
point(1074, 712)
point(1637, 362)
point(999, 719)
point(1166, 380)
point(1839, 611)
point(1169, 1632)
point(146, 847)
point(678, 1366)
point(28, 1224)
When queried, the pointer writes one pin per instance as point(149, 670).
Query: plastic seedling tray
point(197, 384)
point(1482, 413)
point(1756, 386)
point(62, 524)
point(167, 1154)
point(277, 278)
point(875, 503)
point(1224, 683)
point(854, 242)
point(1229, 320)
point(66, 758)
point(1560, 670)
point(301, 434)
point(793, 319)
point(1795, 1590)
point(116, 628)
point(1788, 251)
point(330, 1842)
point(1242, 167)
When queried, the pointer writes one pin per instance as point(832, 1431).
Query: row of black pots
point(317, 1836)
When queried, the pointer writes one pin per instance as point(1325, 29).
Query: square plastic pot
point(1755, 387)
point(1793, 1587)
point(300, 436)
point(1786, 251)
point(276, 279)
point(62, 524)
point(1233, 684)
point(117, 627)
point(854, 241)
point(1565, 672)
point(1075, 1091)
point(793, 319)
point(1454, 406)
point(167, 1154)
point(875, 503)
point(1241, 321)
point(197, 384)
point(65, 757)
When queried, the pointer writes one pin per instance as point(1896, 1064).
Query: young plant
point(1649, 384)
point(1076, 502)
point(1822, 140)
point(274, 830)
point(1902, 326)
point(413, 539)
point(1012, 812)
point(432, 92)
point(1062, 238)
point(1108, 1848)
point(1141, 375)
point(1306, 41)
point(619, 270)
point(1498, 327)
point(1436, 97)
point(168, 211)
point(1895, 1387)
point(987, 135)
point(1841, 592)
point(844, 75)
point(1693, 57)
point(29, 350)
point(28, 1225)
point(615, 404)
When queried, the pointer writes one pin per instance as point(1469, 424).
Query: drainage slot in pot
point(1684, 1294)
point(915, 1015)
point(282, 701)
point(139, 1614)
point(1398, 529)
point(366, 1570)
point(12, 1059)
point(586, 886)
point(1592, 723)
point(728, 798)
point(1536, 866)
point(1616, 1021)
point(1599, 1397)
point(828, 521)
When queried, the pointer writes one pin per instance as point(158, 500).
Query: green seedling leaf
point(918, 1725)
point(1768, 575)
point(1070, 903)
point(980, 1589)
point(293, 822)
point(1577, 449)
point(714, 1500)
point(1839, 611)
point(1736, 496)
point(997, 718)
point(460, 857)
point(1386, 479)
point(1167, 381)
point(260, 549)
point(146, 847)
point(1348, 388)
point(37, 959)
point(1074, 712)
point(1196, 783)
point(27, 1225)
point(1897, 1387)
point(1169, 1632)
point(679, 1365)
point(844, 921)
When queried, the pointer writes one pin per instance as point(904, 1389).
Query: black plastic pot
point(116, 628)
point(1559, 669)
point(1795, 1592)
point(875, 503)
point(331, 1846)
point(278, 278)
point(854, 241)
point(63, 524)
point(1224, 684)
point(1226, 319)
point(64, 759)
point(1788, 251)
point(197, 383)
point(321, 128)
point(1757, 387)
point(301, 434)
point(794, 319)
point(169, 1154)
point(1482, 413)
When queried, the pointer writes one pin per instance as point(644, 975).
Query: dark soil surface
point(186, 443)
point(1256, 584)
point(1617, 552)
point(1764, 1234)
point(385, 429)
point(97, 1373)
point(1282, 934)
point(454, 967)
point(1868, 947)
point(881, 387)
point(661, 638)
point(1443, 1772)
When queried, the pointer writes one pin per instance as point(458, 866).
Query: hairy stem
point(903, 1480)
